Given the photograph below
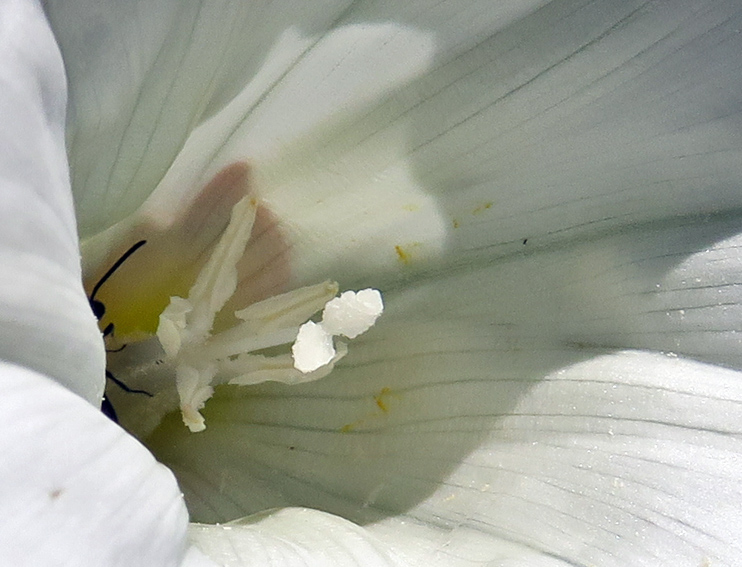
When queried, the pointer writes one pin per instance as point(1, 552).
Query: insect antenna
point(124, 387)
point(96, 305)
point(99, 310)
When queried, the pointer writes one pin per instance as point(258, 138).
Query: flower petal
point(286, 135)
point(581, 117)
point(619, 114)
point(541, 124)
point(45, 320)
point(75, 489)
point(287, 72)
point(477, 408)
point(471, 127)
point(673, 287)
point(630, 458)
point(143, 75)
point(291, 537)
point(625, 459)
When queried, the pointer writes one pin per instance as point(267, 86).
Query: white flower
point(547, 195)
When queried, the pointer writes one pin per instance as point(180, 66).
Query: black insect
point(99, 310)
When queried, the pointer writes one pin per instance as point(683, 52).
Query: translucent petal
point(144, 74)
point(75, 489)
point(469, 126)
point(292, 537)
point(561, 121)
point(136, 99)
point(45, 321)
point(279, 139)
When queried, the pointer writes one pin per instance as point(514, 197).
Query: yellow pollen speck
point(380, 399)
point(483, 207)
point(403, 256)
point(382, 403)
point(411, 207)
point(455, 223)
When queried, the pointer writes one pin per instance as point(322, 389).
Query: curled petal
point(75, 489)
point(45, 321)
point(291, 537)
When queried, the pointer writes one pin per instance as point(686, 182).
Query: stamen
point(249, 369)
point(271, 322)
point(313, 347)
point(352, 313)
point(349, 315)
point(202, 360)
point(193, 318)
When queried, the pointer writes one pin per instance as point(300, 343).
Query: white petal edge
point(291, 537)
point(75, 489)
point(45, 320)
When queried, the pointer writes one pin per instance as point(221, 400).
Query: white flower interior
point(202, 360)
